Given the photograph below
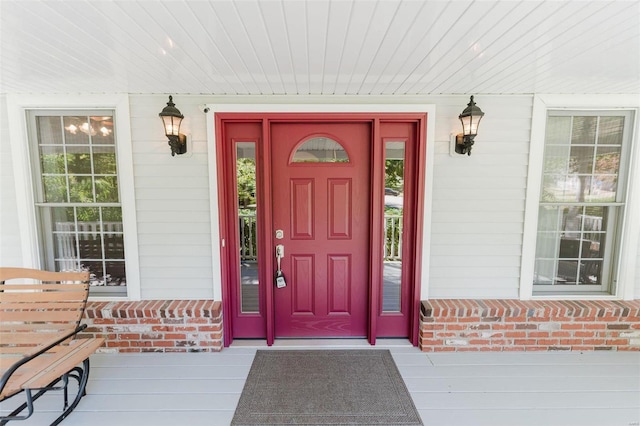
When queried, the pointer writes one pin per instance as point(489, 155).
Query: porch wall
point(478, 201)
point(456, 325)
point(172, 202)
point(156, 325)
point(476, 221)
point(477, 215)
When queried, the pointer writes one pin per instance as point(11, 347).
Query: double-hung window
point(77, 195)
point(582, 201)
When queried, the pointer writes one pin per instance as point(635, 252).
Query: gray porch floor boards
point(515, 389)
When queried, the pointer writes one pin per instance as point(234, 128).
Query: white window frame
point(628, 244)
point(17, 106)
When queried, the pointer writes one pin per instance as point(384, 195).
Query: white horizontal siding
point(479, 200)
point(172, 201)
point(476, 219)
point(10, 246)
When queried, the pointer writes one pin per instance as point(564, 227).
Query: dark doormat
point(325, 387)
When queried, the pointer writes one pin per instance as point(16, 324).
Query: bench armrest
point(41, 349)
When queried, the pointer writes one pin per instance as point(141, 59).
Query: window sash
point(561, 240)
point(103, 248)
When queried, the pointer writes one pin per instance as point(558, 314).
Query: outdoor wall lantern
point(171, 120)
point(470, 119)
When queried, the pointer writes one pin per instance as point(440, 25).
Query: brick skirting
point(156, 325)
point(513, 325)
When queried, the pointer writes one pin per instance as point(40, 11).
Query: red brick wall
point(156, 325)
point(513, 325)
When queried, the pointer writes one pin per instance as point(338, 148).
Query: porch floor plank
point(448, 389)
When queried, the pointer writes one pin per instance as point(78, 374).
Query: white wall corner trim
point(17, 105)
point(628, 258)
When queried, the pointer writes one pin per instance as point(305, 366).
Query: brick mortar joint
point(146, 309)
point(512, 308)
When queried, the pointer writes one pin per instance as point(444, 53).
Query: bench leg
point(80, 374)
point(82, 377)
point(29, 403)
point(14, 414)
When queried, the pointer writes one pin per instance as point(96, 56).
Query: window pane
point(556, 159)
point(96, 270)
point(584, 130)
point(320, 150)
point(52, 159)
point(66, 249)
point(63, 219)
point(590, 272)
point(81, 189)
point(611, 130)
point(112, 214)
point(544, 272)
point(79, 160)
point(90, 246)
point(558, 130)
point(89, 215)
point(114, 246)
point(55, 189)
point(103, 131)
point(76, 130)
point(570, 247)
point(49, 130)
point(247, 226)
point(104, 160)
point(115, 274)
point(393, 226)
point(581, 160)
point(107, 189)
point(607, 159)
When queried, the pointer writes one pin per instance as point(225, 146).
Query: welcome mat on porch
point(325, 387)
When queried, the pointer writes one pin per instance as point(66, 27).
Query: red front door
point(321, 203)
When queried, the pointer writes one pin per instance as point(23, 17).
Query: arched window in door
point(320, 149)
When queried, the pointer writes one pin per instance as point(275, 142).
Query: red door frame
point(266, 239)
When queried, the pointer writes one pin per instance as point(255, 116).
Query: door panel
point(323, 209)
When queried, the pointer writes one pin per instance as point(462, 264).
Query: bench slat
point(7, 361)
point(52, 305)
point(48, 327)
point(32, 338)
point(42, 316)
point(39, 296)
point(25, 273)
point(22, 351)
point(43, 288)
point(65, 361)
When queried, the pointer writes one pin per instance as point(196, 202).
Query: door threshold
point(322, 343)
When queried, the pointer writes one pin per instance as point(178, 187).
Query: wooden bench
point(40, 315)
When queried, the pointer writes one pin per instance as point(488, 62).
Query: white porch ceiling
point(361, 47)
